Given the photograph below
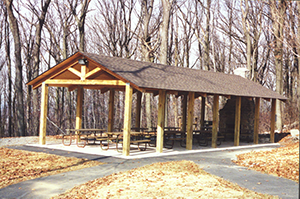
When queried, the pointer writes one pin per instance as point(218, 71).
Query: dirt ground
point(180, 179)
point(282, 162)
point(17, 165)
point(153, 181)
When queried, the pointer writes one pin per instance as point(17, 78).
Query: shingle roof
point(159, 76)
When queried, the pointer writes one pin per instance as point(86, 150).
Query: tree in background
point(19, 107)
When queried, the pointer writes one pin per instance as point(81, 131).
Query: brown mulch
point(18, 165)
point(282, 162)
point(180, 179)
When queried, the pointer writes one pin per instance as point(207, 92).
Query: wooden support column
point(237, 122)
point(111, 114)
point(215, 122)
point(138, 110)
point(190, 119)
point(273, 116)
point(43, 117)
point(256, 120)
point(161, 121)
point(184, 111)
point(127, 119)
point(203, 99)
point(79, 107)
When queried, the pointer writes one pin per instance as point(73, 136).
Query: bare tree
point(278, 10)
point(80, 19)
point(14, 27)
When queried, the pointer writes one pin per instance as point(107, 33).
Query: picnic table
point(82, 134)
point(204, 135)
point(135, 138)
point(172, 136)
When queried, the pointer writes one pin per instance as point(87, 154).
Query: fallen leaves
point(18, 165)
point(282, 162)
point(180, 179)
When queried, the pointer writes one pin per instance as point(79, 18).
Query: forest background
point(218, 35)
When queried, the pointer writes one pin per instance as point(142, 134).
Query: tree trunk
point(7, 49)
point(81, 21)
point(147, 8)
point(36, 63)
point(164, 30)
point(20, 122)
point(207, 37)
point(298, 52)
point(278, 15)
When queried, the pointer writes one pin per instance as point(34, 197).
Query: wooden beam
point(43, 116)
point(138, 109)
point(237, 123)
point(79, 108)
point(184, 111)
point(172, 92)
point(215, 122)
point(127, 119)
point(256, 120)
point(38, 83)
point(160, 121)
point(85, 82)
point(84, 71)
point(203, 99)
point(92, 72)
point(190, 120)
point(110, 125)
point(75, 72)
point(273, 117)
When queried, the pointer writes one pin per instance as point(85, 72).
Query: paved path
point(218, 163)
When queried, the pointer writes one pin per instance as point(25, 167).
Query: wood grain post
point(138, 109)
point(127, 119)
point(190, 119)
point(161, 121)
point(79, 104)
point(203, 99)
point(184, 111)
point(43, 116)
point(79, 108)
point(111, 112)
point(273, 122)
point(215, 122)
point(237, 122)
point(256, 120)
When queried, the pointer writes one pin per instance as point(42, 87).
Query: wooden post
point(161, 121)
point(237, 122)
point(184, 110)
point(203, 99)
point(43, 117)
point(79, 108)
point(138, 109)
point(110, 125)
point(215, 122)
point(256, 120)
point(189, 134)
point(273, 114)
point(127, 119)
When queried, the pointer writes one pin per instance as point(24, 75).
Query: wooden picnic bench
point(205, 136)
point(136, 138)
point(84, 135)
point(174, 135)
